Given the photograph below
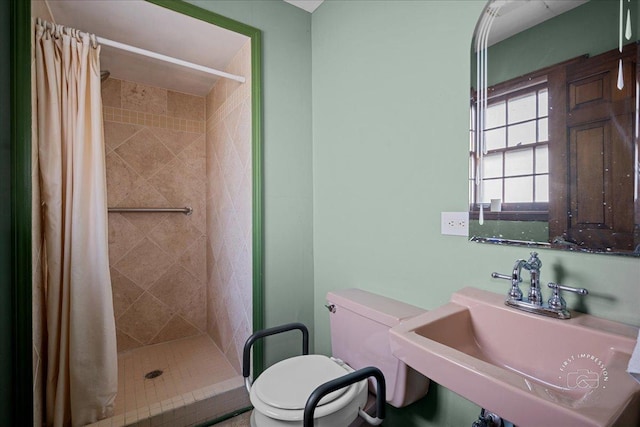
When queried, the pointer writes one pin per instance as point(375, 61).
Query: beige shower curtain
point(81, 365)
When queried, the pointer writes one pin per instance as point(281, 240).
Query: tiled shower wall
point(229, 209)
point(155, 155)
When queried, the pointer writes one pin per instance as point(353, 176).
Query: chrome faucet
point(533, 265)
point(515, 292)
point(555, 307)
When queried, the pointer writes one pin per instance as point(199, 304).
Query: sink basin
point(529, 369)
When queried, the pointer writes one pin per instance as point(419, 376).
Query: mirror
point(554, 152)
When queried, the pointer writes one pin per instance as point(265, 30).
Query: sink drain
point(153, 374)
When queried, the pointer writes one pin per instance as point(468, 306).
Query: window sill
point(511, 215)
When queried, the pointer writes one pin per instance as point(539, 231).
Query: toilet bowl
point(279, 395)
point(359, 323)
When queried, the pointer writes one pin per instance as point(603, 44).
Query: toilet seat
point(281, 392)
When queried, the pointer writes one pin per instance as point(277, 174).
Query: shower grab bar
point(187, 210)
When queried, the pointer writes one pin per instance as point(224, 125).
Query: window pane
point(543, 103)
point(542, 159)
point(519, 162)
point(493, 165)
point(492, 190)
point(495, 138)
point(542, 188)
point(518, 189)
point(524, 133)
point(517, 170)
point(495, 115)
point(543, 130)
point(522, 108)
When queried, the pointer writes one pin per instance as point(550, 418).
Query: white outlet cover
point(454, 223)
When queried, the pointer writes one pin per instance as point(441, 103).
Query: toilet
point(360, 323)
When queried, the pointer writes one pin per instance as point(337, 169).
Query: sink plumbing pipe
point(487, 419)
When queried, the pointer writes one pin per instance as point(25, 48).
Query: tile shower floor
point(194, 372)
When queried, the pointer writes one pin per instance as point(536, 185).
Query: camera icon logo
point(583, 378)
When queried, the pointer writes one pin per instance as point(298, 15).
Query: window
point(515, 166)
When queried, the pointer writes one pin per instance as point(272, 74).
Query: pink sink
point(529, 369)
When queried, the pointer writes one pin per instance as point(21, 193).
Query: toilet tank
point(360, 337)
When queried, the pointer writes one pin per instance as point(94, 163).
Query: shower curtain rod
point(169, 59)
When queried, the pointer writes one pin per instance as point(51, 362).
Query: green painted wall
point(6, 352)
point(287, 160)
point(390, 141)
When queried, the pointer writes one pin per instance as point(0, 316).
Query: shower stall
point(178, 148)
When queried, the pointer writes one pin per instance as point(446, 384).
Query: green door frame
point(20, 116)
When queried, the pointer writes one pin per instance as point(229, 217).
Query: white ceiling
point(308, 5)
point(148, 26)
point(151, 27)
point(515, 16)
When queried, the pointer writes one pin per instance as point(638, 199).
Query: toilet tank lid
point(373, 306)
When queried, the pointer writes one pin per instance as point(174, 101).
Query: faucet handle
point(579, 291)
point(514, 292)
point(496, 275)
point(556, 301)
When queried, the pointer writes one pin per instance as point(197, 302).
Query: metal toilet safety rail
point(323, 389)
